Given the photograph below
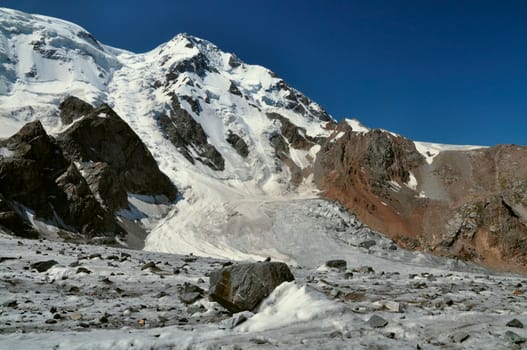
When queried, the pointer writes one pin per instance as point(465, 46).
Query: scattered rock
point(125, 256)
point(365, 269)
point(243, 286)
point(83, 270)
point(238, 319)
point(43, 266)
point(161, 294)
point(74, 289)
point(367, 244)
point(76, 316)
point(338, 264)
point(392, 306)
point(459, 337)
point(105, 280)
point(377, 322)
point(5, 258)
point(10, 303)
point(148, 265)
point(190, 293)
point(514, 338)
point(515, 323)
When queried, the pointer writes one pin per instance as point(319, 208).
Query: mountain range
point(187, 149)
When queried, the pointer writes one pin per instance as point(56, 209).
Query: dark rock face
point(40, 178)
point(13, 222)
point(122, 162)
point(233, 89)
point(292, 136)
point(295, 135)
point(39, 175)
point(43, 266)
point(187, 134)
point(198, 64)
point(301, 104)
point(238, 144)
point(244, 286)
point(338, 264)
point(73, 108)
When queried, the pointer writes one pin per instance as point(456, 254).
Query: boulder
point(338, 264)
point(377, 322)
point(43, 266)
point(243, 286)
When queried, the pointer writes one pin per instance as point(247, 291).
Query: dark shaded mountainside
point(78, 180)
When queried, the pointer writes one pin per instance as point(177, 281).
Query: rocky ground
point(92, 297)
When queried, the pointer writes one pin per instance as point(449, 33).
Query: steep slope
point(467, 202)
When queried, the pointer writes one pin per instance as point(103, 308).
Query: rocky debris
point(190, 293)
point(338, 264)
point(243, 286)
point(127, 165)
point(83, 270)
point(237, 319)
point(514, 338)
point(43, 266)
point(376, 321)
point(364, 269)
point(392, 306)
point(459, 337)
point(188, 137)
point(72, 108)
point(514, 323)
point(367, 244)
point(238, 144)
point(148, 265)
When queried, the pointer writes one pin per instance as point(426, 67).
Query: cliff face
point(464, 203)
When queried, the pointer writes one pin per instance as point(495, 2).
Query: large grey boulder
point(243, 286)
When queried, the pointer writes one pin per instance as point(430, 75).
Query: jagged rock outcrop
point(114, 158)
point(469, 204)
point(243, 286)
point(36, 178)
point(189, 137)
point(238, 144)
point(73, 108)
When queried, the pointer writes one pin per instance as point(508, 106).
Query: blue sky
point(440, 71)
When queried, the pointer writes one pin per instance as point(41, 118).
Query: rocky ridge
point(468, 204)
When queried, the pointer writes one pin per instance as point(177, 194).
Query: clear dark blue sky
point(441, 71)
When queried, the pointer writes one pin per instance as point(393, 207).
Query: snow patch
point(431, 150)
point(412, 181)
point(357, 126)
point(289, 304)
point(5, 152)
